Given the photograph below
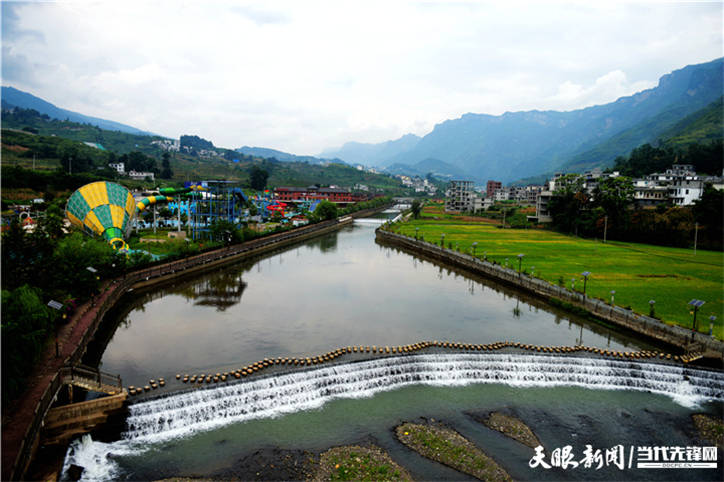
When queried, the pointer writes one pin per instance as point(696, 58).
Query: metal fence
point(80, 372)
point(672, 334)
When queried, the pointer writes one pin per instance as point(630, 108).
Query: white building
point(649, 193)
point(542, 214)
point(679, 185)
point(119, 167)
point(168, 144)
point(460, 197)
point(140, 176)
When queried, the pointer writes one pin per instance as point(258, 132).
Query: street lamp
point(585, 275)
point(613, 292)
point(485, 255)
point(475, 245)
point(93, 271)
point(532, 270)
point(416, 230)
point(652, 313)
point(711, 324)
point(520, 262)
point(696, 304)
point(442, 240)
point(573, 284)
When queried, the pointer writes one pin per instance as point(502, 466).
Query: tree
point(416, 208)
point(325, 211)
point(73, 159)
point(26, 323)
point(614, 196)
point(165, 213)
point(226, 232)
point(258, 178)
point(52, 223)
point(166, 172)
point(568, 203)
point(138, 161)
point(709, 212)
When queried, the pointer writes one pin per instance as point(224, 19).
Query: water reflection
point(336, 290)
point(222, 290)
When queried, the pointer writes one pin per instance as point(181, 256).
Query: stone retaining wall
point(640, 324)
point(21, 451)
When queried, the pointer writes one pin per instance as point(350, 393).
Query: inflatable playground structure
point(110, 211)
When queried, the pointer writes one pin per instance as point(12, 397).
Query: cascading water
point(183, 414)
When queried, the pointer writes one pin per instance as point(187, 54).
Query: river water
point(336, 290)
point(344, 289)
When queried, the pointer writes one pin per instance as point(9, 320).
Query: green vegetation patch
point(513, 428)
point(448, 447)
point(709, 428)
point(358, 463)
point(636, 272)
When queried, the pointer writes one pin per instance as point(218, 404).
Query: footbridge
point(63, 422)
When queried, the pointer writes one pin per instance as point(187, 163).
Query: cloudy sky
point(302, 76)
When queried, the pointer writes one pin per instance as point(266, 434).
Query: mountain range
point(12, 97)
point(283, 156)
point(515, 145)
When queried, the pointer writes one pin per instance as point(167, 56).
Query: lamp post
point(573, 284)
point(613, 292)
point(585, 275)
point(520, 262)
point(696, 304)
point(442, 240)
point(416, 230)
point(652, 312)
point(485, 255)
point(475, 245)
point(711, 324)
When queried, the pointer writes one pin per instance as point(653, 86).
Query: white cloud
point(606, 88)
point(302, 76)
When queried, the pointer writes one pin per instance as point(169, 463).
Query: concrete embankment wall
point(63, 423)
point(640, 324)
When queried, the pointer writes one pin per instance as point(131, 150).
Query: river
point(344, 289)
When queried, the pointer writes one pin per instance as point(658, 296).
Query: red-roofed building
point(314, 193)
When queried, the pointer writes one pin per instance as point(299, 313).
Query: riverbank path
point(18, 415)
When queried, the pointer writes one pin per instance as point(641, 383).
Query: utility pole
point(696, 235)
point(605, 228)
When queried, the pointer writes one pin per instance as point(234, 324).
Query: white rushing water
point(183, 414)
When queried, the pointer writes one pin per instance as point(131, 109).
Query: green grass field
point(637, 272)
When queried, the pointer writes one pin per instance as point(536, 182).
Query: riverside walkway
point(22, 419)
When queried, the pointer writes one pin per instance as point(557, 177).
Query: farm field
point(637, 272)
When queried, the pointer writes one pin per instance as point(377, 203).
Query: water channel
point(344, 289)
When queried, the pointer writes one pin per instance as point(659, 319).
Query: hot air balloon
point(103, 209)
